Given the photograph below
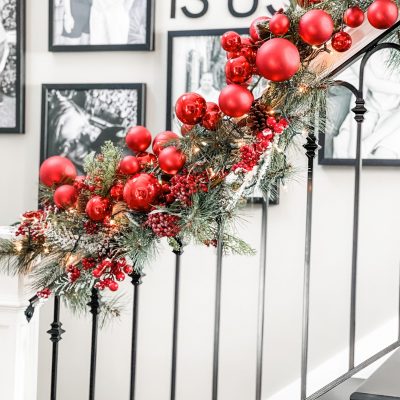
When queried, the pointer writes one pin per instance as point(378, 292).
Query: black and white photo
point(78, 119)
point(12, 31)
point(92, 25)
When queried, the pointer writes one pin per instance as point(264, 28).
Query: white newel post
point(18, 338)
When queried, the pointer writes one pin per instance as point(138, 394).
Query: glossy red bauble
point(171, 160)
point(117, 192)
point(353, 17)
point(190, 108)
point(249, 53)
point(231, 41)
point(255, 36)
point(235, 100)
point(97, 208)
point(141, 192)
point(238, 70)
point(65, 196)
point(279, 24)
point(146, 159)
point(129, 165)
point(382, 14)
point(161, 139)
point(278, 60)
point(316, 27)
point(212, 117)
point(341, 41)
point(56, 170)
point(138, 139)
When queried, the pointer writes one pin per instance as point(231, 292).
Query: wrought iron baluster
point(94, 305)
point(55, 333)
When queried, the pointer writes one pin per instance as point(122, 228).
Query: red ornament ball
point(235, 100)
point(129, 165)
point(97, 208)
point(238, 70)
point(141, 192)
point(212, 117)
point(341, 41)
point(353, 17)
point(382, 14)
point(249, 53)
point(117, 192)
point(65, 196)
point(279, 24)
point(171, 160)
point(316, 27)
point(231, 41)
point(190, 108)
point(278, 60)
point(146, 159)
point(162, 138)
point(56, 170)
point(255, 36)
point(138, 139)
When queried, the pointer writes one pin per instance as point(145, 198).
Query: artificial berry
point(163, 225)
point(113, 286)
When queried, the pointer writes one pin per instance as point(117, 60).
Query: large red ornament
point(138, 139)
point(341, 41)
point(212, 117)
point(162, 138)
point(65, 196)
point(190, 108)
point(279, 24)
point(235, 100)
point(56, 170)
point(171, 160)
point(255, 36)
point(238, 70)
point(316, 27)
point(129, 165)
point(141, 192)
point(353, 17)
point(278, 60)
point(97, 208)
point(382, 14)
point(231, 41)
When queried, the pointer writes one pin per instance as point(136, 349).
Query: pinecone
point(257, 118)
point(81, 203)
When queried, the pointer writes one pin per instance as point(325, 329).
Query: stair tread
point(343, 391)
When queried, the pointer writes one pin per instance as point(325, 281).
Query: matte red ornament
point(190, 108)
point(138, 139)
point(56, 170)
point(117, 192)
point(185, 129)
point(65, 196)
point(341, 41)
point(231, 41)
point(382, 14)
point(162, 138)
point(212, 117)
point(146, 159)
point(171, 160)
point(97, 208)
point(278, 60)
point(238, 70)
point(129, 165)
point(235, 100)
point(316, 27)
point(141, 192)
point(353, 17)
point(279, 24)
point(255, 36)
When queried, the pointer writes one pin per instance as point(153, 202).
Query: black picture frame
point(45, 134)
point(19, 126)
point(149, 45)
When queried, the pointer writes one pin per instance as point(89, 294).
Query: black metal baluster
point(136, 282)
point(94, 305)
point(261, 297)
point(217, 318)
point(311, 146)
point(178, 254)
point(55, 336)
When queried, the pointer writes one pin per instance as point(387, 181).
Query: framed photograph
point(78, 119)
point(101, 25)
point(12, 49)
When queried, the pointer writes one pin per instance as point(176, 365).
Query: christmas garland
point(94, 230)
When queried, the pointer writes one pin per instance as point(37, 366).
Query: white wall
point(379, 260)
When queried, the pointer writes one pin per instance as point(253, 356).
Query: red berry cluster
point(213, 243)
point(91, 227)
point(111, 271)
point(80, 185)
point(163, 225)
point(184, 186)
point(74, 273)
point(31, 225)
point(44, 293)
point(88, 263)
